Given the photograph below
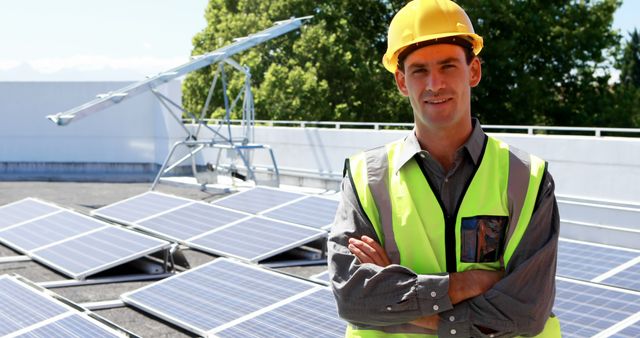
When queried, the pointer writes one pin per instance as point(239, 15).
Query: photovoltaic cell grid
point(211, 295)
point(586, 261)
point(628, 278)
point(311, 211)
point(632, 331)
point(313, 315)
point(36, 314)
point(257, 199)
point(48, 230)
point(98, 251)
point(585, 309)
point(24, 210)
point(322, 277)
point(190, 221)
point(139, 207)
point(256, 238)
point(77, 245)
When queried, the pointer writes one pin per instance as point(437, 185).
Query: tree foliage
point(544, 62)
point(630, 62)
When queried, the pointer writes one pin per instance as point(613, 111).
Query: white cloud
point(145, 64)
point(9, 64)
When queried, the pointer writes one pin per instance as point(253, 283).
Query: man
point(447, 232)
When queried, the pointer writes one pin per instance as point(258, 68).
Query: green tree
point(329, 70)
point(545, 62)
point(630, 63)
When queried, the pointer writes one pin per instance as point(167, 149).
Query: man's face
point(438, 81)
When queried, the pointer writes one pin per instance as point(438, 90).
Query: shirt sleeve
point(367, 294)
point(521, 302)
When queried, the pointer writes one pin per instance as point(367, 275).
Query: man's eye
point(419, 71)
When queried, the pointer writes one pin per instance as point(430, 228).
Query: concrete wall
point(135, 135)
point(131, 136)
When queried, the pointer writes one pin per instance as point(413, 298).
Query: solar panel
point(97, 251)
point(585, 309)
point(24, 210)
point(72, 326)
point(50, 229)
point(213, 294)
point(20, 306)
point(312, 315)
point(587, 261)
point(29, 311)
point(628, 278)
point(255, 239)
point(189, 221)
point(632, 331)
point(140, 207)
point(257, 199)
point(312, 211)
point(322, 277)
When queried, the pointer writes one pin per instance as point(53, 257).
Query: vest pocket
point(482, 238)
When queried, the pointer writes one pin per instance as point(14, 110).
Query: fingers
point(378, 251)
point(368, 250)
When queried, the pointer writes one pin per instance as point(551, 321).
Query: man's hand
point(368, 250)
point(471, 283)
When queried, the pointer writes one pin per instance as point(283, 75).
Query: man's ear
point(401, 82)
point(475, 68)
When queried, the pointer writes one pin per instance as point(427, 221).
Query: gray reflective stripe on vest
point(378, 175)
point(517, 187)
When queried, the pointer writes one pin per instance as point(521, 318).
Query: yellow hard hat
point(428, 21)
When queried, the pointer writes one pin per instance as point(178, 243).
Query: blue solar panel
point(584, 261)
point(70, 327)
point(21, 306)
point(257, 199)
point(44, 231)
point(314, 315)
point(628, 278)
point(632, 331)
point(312, 211)
point(190, 221)
point(97, 251)
point(23, 210)
point(322, 277)
point(211, 295)
point(256, 238)
point(140, 207)
point(585, 309)
point(29, 311)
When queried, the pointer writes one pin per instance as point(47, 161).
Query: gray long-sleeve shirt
point(369, 295)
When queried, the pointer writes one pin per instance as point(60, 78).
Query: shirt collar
point(474, 145)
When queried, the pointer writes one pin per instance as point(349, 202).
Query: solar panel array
point(586, 309)
point(313, 211)
point(26, 311)
point(69, 242)
point(599, 263)
point(213, 228)
point(232, 299)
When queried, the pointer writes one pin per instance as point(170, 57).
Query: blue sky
point(67, 40)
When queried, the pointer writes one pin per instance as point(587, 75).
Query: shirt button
point(389, 308)
point(452, 318)
point(433, 294)
point(436, 307)
point(453, 331)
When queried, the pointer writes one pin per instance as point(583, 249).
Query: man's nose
point(434, 82)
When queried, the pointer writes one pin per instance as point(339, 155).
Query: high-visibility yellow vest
point(416, 232)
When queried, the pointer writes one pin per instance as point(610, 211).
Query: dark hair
point(453, 40)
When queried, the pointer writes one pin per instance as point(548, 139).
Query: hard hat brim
point(390, 62)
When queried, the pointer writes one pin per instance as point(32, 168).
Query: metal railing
point(529, 130)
